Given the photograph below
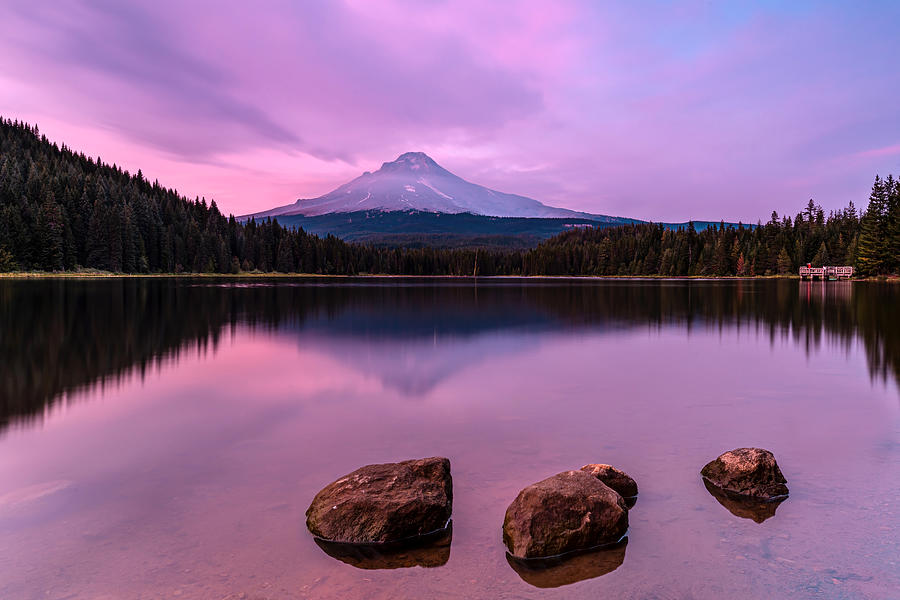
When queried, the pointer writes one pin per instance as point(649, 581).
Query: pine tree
point(741, 267)
point(821, 257)
point(50, 236)
point(892, 225)
point(872, 249)
point(810, 213)
point(97, 239)
point(785, 265)
point(285, 260)
point(7, 261)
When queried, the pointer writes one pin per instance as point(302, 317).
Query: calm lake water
point(163, 438)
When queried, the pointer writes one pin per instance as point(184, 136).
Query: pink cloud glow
point(877, 152)
point(652, 110)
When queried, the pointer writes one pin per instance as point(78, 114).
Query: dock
point(826, 273)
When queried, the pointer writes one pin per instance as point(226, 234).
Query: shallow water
point(163, 438)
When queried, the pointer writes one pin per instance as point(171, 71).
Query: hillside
point(462, 230)
point(61, 210)
point(417, 228)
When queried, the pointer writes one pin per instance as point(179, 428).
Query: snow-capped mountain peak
point(414, 181)
point(411, 161)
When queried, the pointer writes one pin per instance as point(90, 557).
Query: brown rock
point(614, 478)
point(568, 512)
point(384, 503)
point(750, 472)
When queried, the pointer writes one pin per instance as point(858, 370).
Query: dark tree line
point(61, 210)
point(870, 242)
point(777, 247)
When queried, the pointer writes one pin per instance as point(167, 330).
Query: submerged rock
point(556, 572)
point(428, 551)
point(749, 472)
point(746, 507)
point(614, 478)
point(568, 512)
point(383, 503)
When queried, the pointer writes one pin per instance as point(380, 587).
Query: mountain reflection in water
point(59, 336)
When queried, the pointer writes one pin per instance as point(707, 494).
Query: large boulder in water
point(568, 512)
point(748, 472)
point(614, 478)
point(384, 503)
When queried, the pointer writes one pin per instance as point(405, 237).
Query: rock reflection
point(743, 506)
point(428, 551)
point(565, 570)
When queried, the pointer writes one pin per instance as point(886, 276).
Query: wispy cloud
point(891, 150)
point(656, 110)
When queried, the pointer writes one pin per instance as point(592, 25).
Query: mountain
point(414, 202)
point(60, 210)
point(415, 182)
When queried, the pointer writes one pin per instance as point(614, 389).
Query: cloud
point(885, 151)
point(122, 68)
point(654, 110)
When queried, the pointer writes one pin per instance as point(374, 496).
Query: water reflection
point(429, 551)
point(59, 336)
point(747, 508)
point(193, 482)
point(557, 572)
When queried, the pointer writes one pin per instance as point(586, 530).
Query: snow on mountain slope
point(415, 182)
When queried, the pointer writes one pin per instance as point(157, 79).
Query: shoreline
point(224, 276)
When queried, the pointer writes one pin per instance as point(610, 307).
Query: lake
point(163, 437)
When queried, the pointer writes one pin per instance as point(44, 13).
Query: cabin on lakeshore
point(825, 273)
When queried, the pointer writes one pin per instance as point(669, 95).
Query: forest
point(63, 211)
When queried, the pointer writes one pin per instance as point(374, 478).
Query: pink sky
point(652, 110)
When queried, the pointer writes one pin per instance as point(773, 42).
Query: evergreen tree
point(49, 237)
point(285, 261)
point(741, 268)
point(7, 262)
point(97, 239)
point(784, 262)
point(872, 249)
point(892, 225)
point(821, 257)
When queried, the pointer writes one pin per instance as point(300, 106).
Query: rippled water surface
point(163, 438)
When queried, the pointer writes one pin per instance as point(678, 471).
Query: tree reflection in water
point(58, 336)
